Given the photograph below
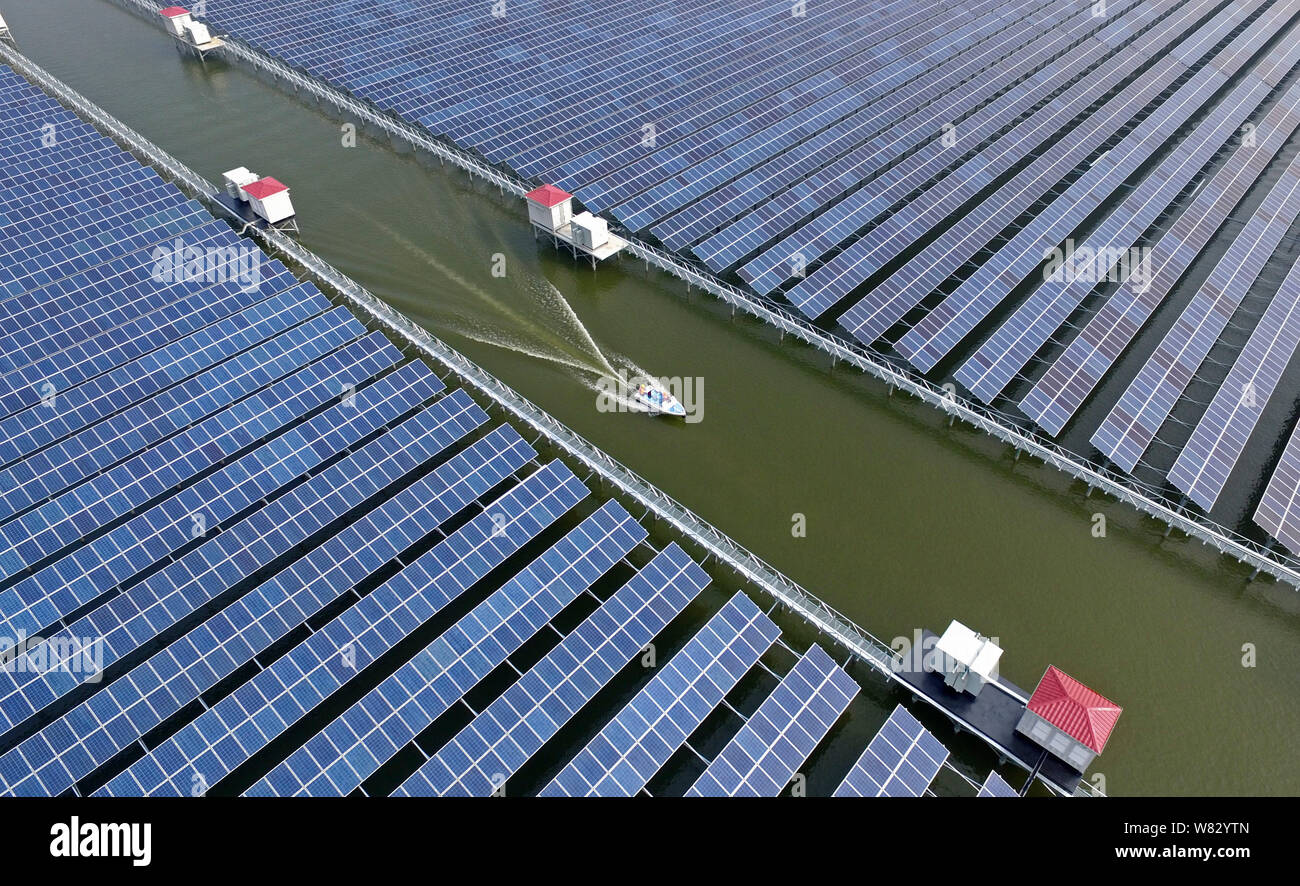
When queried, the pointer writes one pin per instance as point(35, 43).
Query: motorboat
point(656, 400)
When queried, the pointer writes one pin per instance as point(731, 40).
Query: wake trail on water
point(563, 312)
point(498, 340)
point(567, 343)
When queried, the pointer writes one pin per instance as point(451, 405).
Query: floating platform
point(200, 49)
point(991, 716)
point(244, 212)
point(563, 236)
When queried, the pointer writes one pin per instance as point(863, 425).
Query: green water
point(909, 523)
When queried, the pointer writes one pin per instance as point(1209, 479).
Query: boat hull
point(667, 406)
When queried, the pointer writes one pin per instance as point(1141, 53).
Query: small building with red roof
point(269, 199)
point(177, 18)
point(550, 207)
point(1069, 720)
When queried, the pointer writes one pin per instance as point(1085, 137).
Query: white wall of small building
point(551, 217)
point(178, 23)
point(589, 231)
point(274, 208)
point(1058, 743)
point(198, 33)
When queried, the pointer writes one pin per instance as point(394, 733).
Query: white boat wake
point(558, 336)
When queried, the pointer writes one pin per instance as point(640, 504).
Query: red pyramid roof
point(548, 195)
point(173, 11)
point(265, 187)
point(1074, 708)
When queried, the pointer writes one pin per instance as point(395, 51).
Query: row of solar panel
point(991, 368)
point(749, 212)
point(1049, 163)
point(989, 285)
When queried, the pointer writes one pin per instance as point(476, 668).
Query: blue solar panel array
point(359, 741)
point(480, 760)
point(827, 206)
point(1072, 376)
point(900, 761)
point(942, 329)
point(787, 727)
point(246, 721)
point(1068, 148)
point(1202, 468)
point(640, 739)
point(55, 758)
point(1279, 508)
point(1137, 417)
point(997, 361)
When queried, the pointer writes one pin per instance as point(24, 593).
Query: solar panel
point(63, 241)
point(805, 102)
point(944, 257)
point(107, 350)
point(56, 233)
point(49, 471)
point(697, 38)
point(1205, 462)
point(821, 52)
point(42, 321)
point(360, 740)
point(1015, 137)
point(992, 367)
point(847, 153)
point(42, 242)
point(490, 749)
point(61, 253)
point(995, 786)
point(1062, 389)
point(117, 556)
point(767, 751)
point(70, 411)
point(1279, 507)
point(74, 515)
point(631, 64)
point(643, 196)
point(900, 761)
point(957, 315)
point(1136, 418)
point(691, 62)
point(781, 69)
point(235, 728)
point(656, 723)
point(227, 556)
point(768, 132)
point(59, 755)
